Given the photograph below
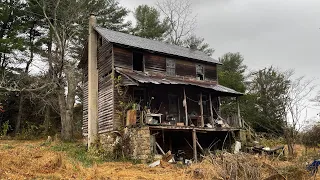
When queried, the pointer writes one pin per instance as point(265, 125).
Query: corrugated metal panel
point(156, 46)
point(142, 77)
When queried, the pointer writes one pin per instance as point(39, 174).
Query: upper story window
point(171, 67)
point(200, 72)
point(137, 61)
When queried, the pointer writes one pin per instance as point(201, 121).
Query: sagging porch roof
point(141, 77)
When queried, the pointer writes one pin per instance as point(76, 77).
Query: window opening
point(138, 63)
point(199, 72)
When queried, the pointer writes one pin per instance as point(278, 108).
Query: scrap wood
point(160, 148)
point(167, 157)
point(200, 147)
point(188, 143)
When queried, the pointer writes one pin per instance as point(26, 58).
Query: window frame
point(200, 71)
point(170, 67)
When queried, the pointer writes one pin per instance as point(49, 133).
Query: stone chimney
point(92, 83)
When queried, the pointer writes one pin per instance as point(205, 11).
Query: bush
point(311, 138)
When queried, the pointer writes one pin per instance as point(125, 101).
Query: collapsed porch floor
point(193, 141)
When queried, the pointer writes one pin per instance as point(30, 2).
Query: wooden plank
point(185, 105)
point(239, 115)
point(194, 142)
point(201, 110)
point(160, 148)
point(211, 111)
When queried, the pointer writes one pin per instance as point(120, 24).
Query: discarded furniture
point(151, 118)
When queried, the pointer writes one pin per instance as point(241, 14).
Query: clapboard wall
point(156, 63)
point(105, 86)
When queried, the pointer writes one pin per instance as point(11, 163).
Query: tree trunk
point(19, 116)
point(47, 120)
point(66, 104)
point(66, 130)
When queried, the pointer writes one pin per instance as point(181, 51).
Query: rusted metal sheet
point(131, 117)
point(155, 78)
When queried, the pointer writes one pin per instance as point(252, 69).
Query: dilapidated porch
point(182, 114)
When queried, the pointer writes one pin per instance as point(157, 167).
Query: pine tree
point(149, 24)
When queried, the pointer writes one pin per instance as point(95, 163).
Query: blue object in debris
point(313, 167)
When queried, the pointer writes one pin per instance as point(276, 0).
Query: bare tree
point(181, 20)
point(298, 98)
point(63, 22)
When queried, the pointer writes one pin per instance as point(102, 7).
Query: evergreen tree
point(231, 74)
point(11, 25)
point(270, 87)
point(197, 43)
point(149, 24)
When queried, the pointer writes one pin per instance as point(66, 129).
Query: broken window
point(171, 67)
point(139, 96)
point(138, 63)
point(200, 72)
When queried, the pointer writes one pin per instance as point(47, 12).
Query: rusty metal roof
point(142, 77)
point(153, 45)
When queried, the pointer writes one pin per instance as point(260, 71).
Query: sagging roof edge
point(140, 79)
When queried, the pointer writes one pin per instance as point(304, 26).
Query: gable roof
point(153, 45)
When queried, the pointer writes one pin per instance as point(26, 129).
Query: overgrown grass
point(271, 142)
point(77, 152)
point(7, 146)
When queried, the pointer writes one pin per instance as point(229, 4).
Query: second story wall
point(157, 63)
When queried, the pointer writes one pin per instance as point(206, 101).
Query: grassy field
point(39, 160)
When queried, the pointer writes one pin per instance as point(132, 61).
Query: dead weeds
point(32, 160)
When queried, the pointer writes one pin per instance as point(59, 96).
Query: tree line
point(42, 42)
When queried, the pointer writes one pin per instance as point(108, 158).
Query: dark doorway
point(138, 64)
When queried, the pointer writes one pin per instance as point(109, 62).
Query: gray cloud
point(282, 33)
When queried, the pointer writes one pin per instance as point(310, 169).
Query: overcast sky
point(282, 33)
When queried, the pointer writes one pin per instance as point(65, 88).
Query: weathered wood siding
point(123, 57)
point(155, 63)
point(105, 87)
point(85, 100)
point(210, 72)
point(186, 68)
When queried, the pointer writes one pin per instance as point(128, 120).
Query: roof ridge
point(175, 45)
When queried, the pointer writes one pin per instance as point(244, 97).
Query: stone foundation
point(134, 141)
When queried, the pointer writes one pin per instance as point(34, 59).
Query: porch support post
point(201, 110)
point(185, 105)
point(194, 142)
point(219, 105)
point(211, 111)
point(239, 115)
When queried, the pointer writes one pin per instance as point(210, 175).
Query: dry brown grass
point(30, 160)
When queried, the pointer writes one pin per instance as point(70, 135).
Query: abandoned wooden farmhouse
point(165, 95)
